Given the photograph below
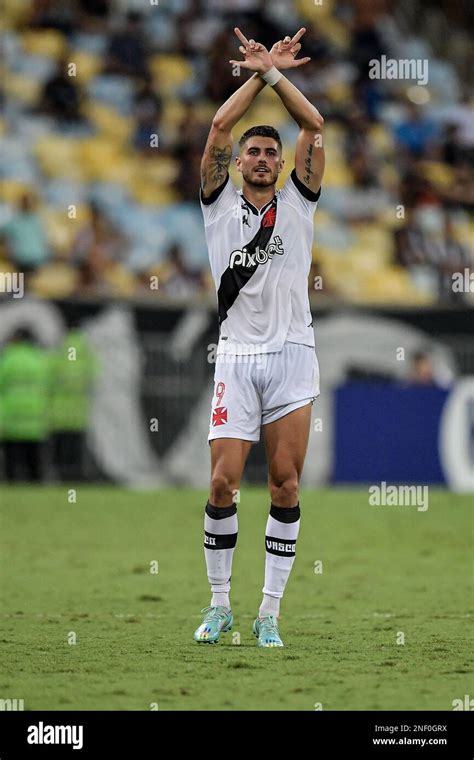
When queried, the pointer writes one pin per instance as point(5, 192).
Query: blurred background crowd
point(107, 105)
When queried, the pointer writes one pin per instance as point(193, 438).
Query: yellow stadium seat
point(170, 71)
point(47, 42)
point(173, 114)
point(366, 260)
point(15, 13)
point(374, 240)
point(102, 159)
point(163, 170)
point(393, 285)
point(23, 88)
point(333, 29)
point(56, 280)
point(59, 157)
point(337, 175)
point(381, 138)
point(108, 121)
point(6, 266)
point(272, 112)
point(151, 193)
point(439, 174)
point(122, 282)
point(11, 190)
point(61, 230)
point(88, 65)
point(339, 92)
point(464, 232)
point(314, 11)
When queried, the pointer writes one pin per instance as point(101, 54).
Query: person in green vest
point(73, 373)
point(24, 396)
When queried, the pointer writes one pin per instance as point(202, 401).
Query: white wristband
point(272, 76)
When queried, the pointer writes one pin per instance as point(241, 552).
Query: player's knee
point(222, 490)
point(284, 491)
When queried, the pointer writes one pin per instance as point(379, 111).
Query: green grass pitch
point(82, 571)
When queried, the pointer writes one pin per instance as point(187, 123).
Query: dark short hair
point(261, 131)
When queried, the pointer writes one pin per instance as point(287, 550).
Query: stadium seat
point(122, 282)
point(61, 230)
point(108, 121)
point(12, 190)
point(88, 65)
point(170, 71)
point(59, 156)
point(19, 87)
point(56, 280)
point(48, 42)
point(102, 159)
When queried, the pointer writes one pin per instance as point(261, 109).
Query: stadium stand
point(107, 106)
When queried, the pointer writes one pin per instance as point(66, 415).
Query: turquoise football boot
point(266, 631)
point(217, 620)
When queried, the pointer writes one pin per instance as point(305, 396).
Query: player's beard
point(267, 179)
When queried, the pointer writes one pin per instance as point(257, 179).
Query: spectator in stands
point(357, 140)
point(61, 96)
point(53, 14)
point(221, 87)
point(417, 134)
point(366, 199)
point(181, 280)
point(94, 14)
point(128, 48)
point(96, 250)
point(24, 394)
point(455, 257)
point(460, 116)
point(427, 240)
point(415, 188)
point(192, 134)
point(460, 194)
point(451, 149)
point(148, 109)
point(26, 244)
point(367, 44)
point(197, 29)
point(422, 369)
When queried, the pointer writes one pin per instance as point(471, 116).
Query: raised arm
point(309, 154)
point(218, 151)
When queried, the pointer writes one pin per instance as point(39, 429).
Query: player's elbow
point(219, 124)
point(314, 122)
point(317, 122)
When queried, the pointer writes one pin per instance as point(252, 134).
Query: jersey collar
point(253, 208)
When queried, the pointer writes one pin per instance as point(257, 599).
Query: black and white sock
point(282, 529)
point(220, 538)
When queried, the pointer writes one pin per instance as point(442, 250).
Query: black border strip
point(215, 193)
point(305, 192)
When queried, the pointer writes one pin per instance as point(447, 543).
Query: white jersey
point(260, 262)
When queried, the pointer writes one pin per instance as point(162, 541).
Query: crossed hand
point(282, 55)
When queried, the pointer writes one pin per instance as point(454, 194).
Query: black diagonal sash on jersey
point(234, 279)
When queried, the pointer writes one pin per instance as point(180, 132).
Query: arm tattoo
point(218, 162)
point(307, 164)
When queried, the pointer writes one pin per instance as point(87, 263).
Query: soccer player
point(266, 374)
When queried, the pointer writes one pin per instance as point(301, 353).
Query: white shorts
point(254, 390)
